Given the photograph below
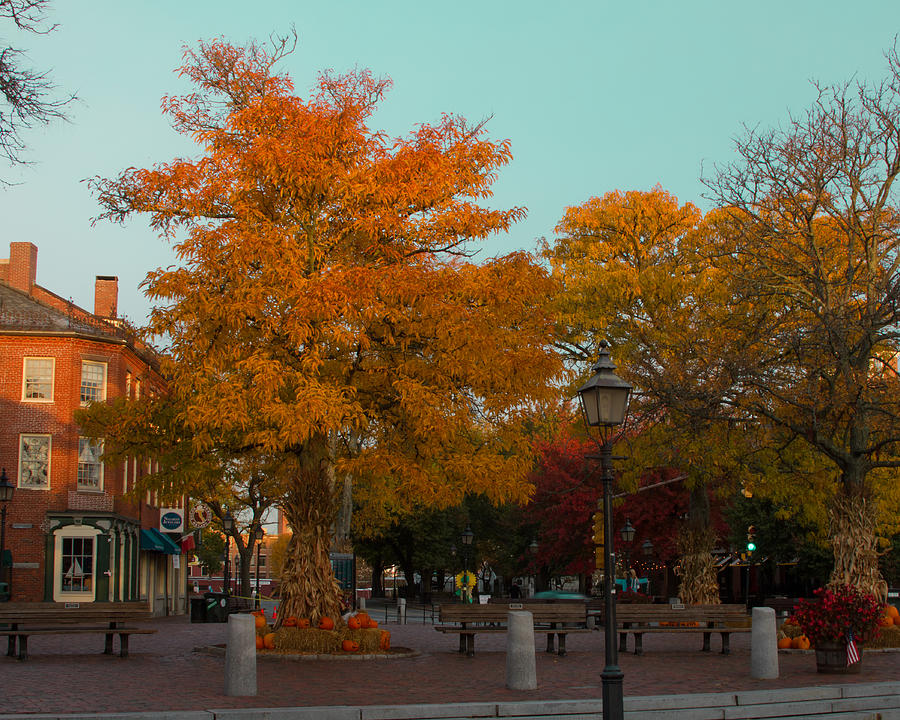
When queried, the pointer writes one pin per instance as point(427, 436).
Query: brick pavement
point(70, 674)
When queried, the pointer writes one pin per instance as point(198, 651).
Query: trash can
point(198, 610)
point(216, 606)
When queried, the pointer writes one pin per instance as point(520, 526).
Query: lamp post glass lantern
point(604, 404)
point(627, 533)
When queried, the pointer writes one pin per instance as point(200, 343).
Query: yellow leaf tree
point(326, 309)
point(629, 271)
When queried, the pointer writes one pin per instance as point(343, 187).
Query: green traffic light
point(751, 546)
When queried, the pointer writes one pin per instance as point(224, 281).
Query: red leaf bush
point(835, 612)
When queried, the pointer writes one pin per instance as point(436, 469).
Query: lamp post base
point(613, 702)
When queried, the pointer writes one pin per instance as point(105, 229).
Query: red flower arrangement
point(836, 612)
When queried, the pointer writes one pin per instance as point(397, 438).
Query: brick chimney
point(22, 265)
point(106, 296)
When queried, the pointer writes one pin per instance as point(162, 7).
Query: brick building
point(71, 533)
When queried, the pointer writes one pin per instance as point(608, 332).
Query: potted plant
point(840, 615)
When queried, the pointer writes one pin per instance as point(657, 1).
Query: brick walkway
point(70, 673)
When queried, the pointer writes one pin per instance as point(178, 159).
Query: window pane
point(34, 461)
point(77, 565)
point(92, 378)
point(90, 469)
point(38, 379)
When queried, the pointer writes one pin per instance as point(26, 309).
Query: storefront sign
point(171, 520)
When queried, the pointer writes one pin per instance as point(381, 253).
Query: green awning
point(154, 541)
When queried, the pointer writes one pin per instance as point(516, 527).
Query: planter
point(831, 657)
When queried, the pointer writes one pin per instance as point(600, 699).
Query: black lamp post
point(604, 404)
point(259, 534)
point(6, 493)
point(227, 526)
point(627, 533)
point(467, 537)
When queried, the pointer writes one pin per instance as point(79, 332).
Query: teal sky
point(593, 95)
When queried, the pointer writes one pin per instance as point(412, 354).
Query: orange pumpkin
point(364, 619)
point(384, 641)
point(801, 642)
point(260, 621)
point(893, 612)
point(886, 621)
point(350, 646)
point(784, 643)
point(353, 622)
point(259, 642)
point(302, 623)
point(269, 641)
point(372, 624)
point(326, 623)
point(290, 622)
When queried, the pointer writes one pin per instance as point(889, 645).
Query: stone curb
point(823, 700)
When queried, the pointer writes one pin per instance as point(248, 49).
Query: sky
point(593, 95)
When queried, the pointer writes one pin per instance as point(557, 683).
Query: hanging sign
point(201, 515)
point(171, 520)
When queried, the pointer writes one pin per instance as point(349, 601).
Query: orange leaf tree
point(326, 310)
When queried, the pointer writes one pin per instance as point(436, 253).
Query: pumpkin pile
point(360, 634)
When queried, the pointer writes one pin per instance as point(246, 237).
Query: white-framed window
point(93, 381)
point(34, 462)
point(37, 379)
point(75, 563)
point(125, 477)
point(90, 469)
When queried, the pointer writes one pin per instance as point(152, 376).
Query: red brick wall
point(29, 506)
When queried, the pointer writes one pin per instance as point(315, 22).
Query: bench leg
point(725, 648)
point(470, 645)
point(23, 647)
point(623, 639)
point(550, 645)
point(705, 647)
point(11, 648)
point(562, 644)
point(123, 645)
point(108, 649)
point(638, 643)
point(462, 643)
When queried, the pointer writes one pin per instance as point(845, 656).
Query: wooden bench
point(639, 619)
point(23, 619)
point(552, 619)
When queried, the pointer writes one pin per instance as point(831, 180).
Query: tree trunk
point(698, 584)
point(308, 586)
point(245, 552)
point(851, 520)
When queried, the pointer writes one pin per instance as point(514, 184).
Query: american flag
point(852, 650)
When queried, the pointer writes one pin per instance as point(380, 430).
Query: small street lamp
point(604, 403)
point(6, 493)
point(258, 534)
point(627, 533)
point(227, 526)
point(467, 537)
point(647, 548)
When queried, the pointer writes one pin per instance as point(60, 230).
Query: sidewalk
point(69, 674)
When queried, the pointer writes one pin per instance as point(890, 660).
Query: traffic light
point(598, 528)
point(751, 539)
point(599, 559)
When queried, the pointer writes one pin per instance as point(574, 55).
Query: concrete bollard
point(360, 603)
point(521, 673)
point(763, 645)
point(240, 656)
point(401, 611)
